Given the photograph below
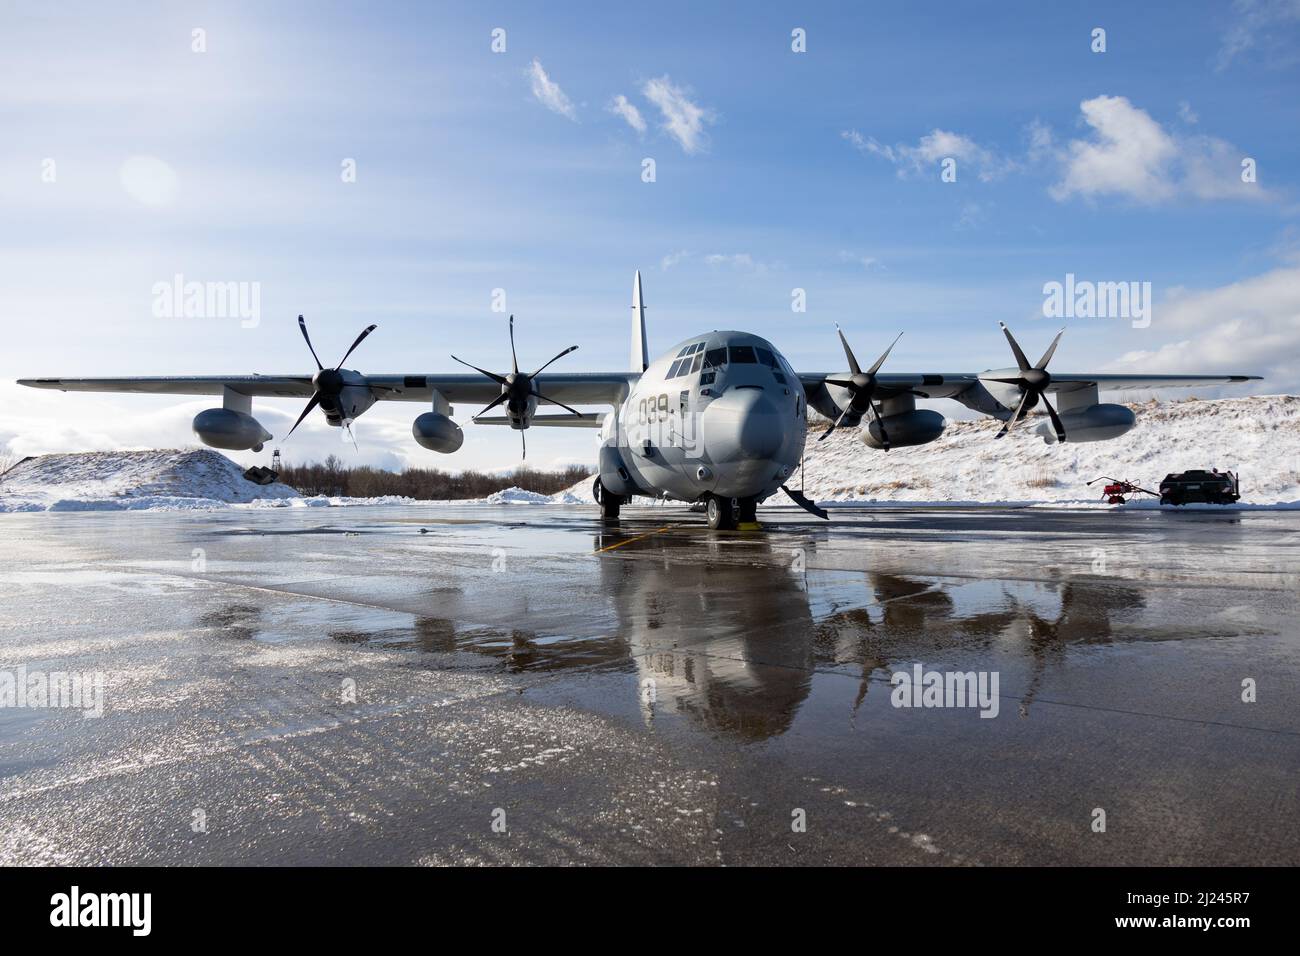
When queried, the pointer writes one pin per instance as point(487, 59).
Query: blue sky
point(775, 170)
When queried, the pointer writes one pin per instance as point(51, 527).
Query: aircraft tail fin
point(640, 349)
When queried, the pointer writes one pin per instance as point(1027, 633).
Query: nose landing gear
point(722, 515)
point(725, 514)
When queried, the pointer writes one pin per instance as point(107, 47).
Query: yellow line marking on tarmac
point(640, 537)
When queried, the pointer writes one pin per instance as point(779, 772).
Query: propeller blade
point(884, 437)
point(1056, 419)
point(848, 352)
point(312, 403)
point(561, 404)
point(1015, 347)
point(571, 348)
point(302, 324)
point(881, 361)
point(499, 379)
point(842, 383)
point(1020, 410)
point(1051, 350)
point(524, 440)
point(347, 427)
point(360, 338)
point(513, 360)
point(495, 402)
point(835, 424)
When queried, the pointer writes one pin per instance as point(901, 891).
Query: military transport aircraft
point(721, 417)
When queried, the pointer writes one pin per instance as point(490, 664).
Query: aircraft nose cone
point(742, 423)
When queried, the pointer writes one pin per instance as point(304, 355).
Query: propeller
point(327, 383)
point(517, 387)
point(1033, 381)
point(861, 387)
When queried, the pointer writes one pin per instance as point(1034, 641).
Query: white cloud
point(683, 119)
point(148, 180)
point(1247, 327)
point(867, 262)
point(1130, 154)
point(931, 150)
point(1041, 144)
point(620, 106)
point(739, 260)
point(1186, 113)
point(972, 215)
point(1261, 24)
point(548, 92)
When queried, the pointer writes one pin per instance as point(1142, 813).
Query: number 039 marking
point(654, 409)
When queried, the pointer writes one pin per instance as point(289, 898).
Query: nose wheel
point(721, 512)
point(725, 514)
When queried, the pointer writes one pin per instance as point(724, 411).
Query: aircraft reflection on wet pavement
point(732, 639)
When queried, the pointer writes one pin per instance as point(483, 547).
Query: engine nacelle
point(229, 429)
point(916, 427)
point(1094, 423)
point(437, 433)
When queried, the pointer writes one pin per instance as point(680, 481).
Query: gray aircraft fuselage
point(721, 413)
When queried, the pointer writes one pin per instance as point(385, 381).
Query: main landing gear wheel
point(722, 513)
point(608, 501)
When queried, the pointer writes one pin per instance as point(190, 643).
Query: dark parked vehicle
point(1211, 487)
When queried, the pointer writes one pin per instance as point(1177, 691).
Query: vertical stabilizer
point(640, 350)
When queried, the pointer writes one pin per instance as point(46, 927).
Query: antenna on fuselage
point(640, 348)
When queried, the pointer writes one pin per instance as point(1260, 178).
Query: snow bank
point(132, 480)
point(1257, 436)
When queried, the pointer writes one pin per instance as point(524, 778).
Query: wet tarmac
point(517, 684)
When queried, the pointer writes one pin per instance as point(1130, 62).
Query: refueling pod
point(1093, 423)
point(230, 429)
point(437, 432)
point(915, 427)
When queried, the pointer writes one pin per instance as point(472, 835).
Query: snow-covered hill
point(131, 480)
point(1257, 436)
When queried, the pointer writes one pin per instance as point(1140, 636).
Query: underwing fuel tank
point(229, 429)
point(1094, 423)
point(437, 433)
point(906, 428)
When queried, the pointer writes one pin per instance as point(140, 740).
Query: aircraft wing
point(582, 388)
point(951, 384)
point(275, 386)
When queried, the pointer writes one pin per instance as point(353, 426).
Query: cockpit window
point(742, 355)
point(699, 360)
point(715, 358)
point(766, 357)
point(685, 349)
